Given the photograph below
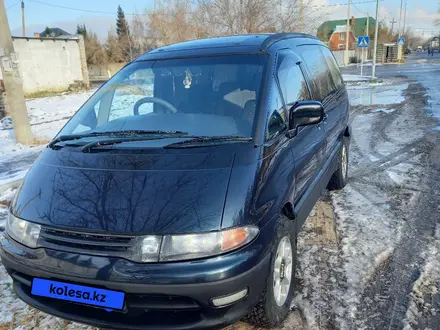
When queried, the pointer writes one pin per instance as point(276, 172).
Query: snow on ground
point(425, 295)
point(47, 116)
point(5, 198)
point(385, 171)
point(354, 77)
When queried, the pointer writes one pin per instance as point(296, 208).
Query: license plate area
point(86, 295)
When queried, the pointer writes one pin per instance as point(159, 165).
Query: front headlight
point(194, 246)
point(191, 246)
point(22, 231)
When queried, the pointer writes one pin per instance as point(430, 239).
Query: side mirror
point(305, 113)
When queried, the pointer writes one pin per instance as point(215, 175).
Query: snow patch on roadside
point(355, 77)
point(368, 236)
point(425, 293)
point(47, 116)
point(389, 110)
point(5, 198)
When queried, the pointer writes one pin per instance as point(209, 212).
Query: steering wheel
point(151, 99)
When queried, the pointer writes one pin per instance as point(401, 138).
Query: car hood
point(159, 193)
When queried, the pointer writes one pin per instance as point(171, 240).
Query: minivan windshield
point(206, 96)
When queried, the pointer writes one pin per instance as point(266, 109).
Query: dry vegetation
point(173, 21)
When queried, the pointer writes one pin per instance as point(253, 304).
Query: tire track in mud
point(386, 297)
point(404, 154)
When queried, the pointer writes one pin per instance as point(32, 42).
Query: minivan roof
point(248, 43)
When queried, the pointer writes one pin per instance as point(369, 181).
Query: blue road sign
point(364, 42)
point(401, 42)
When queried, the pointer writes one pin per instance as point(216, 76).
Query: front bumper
point(158, 296)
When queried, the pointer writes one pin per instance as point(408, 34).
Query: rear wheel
point(277, 296)
point(339, 179)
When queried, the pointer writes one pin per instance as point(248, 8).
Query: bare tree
point(178, 20)
point(95, 52)
point(174, 21)
point(142, 39)
point(256, 16)
point(114, 48)
point(237, 17)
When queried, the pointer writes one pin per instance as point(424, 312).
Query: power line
point(357, 8)
point(77, 9)
point(129, 14)
point(344, 4)
point(13, 5)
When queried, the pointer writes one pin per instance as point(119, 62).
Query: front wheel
point(339, 179)
point(277, 296)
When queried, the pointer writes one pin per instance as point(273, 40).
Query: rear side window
point(333, 66)
point(322, 81)
point(291, 79)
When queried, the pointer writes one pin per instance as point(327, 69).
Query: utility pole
point(400, 19)
point(241, 17)
point(368, 34)
point(376, 34)
point(392, 26)
point(12, 81)
point(23, 25)
point(404, 17)
point(301, 16)
point(347, 35)
point(368, 25)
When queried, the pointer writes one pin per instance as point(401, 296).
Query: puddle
point(377, 95)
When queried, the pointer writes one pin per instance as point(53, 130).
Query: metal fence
point(2, 102)
point(340, 55)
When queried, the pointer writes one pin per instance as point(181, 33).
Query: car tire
point(339, 179)
point(273, 307)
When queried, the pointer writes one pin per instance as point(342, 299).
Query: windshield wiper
point(199, 141)
point(103, 143)
point(127, 133)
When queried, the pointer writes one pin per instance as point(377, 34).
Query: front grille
point(72, 241)
point(140, 309)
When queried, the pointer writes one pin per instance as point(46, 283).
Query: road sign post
point(363, 43)
point(376, 33)
point(400, 43)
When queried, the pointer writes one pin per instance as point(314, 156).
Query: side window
point(322, 80)
point(291, 79)
point(334, 68)
point(277, 118)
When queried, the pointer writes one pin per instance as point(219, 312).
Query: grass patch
point(38, 95)
point(39, 142)
point(376, 81)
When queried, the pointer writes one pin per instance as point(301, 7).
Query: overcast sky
point(421, 13)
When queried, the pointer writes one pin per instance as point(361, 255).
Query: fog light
point(229, 299)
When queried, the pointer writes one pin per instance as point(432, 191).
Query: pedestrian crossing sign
point(401, 42)
point(364, 42)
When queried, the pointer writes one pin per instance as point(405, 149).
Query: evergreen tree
point(47, 32)
point(122, 28)
point(81, 29)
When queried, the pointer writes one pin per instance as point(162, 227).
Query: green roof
point(360, 25)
